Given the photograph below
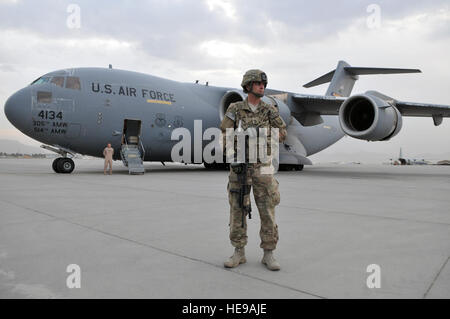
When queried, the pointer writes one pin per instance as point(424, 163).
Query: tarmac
point(165, 234)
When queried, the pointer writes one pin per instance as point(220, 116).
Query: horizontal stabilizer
point(355, 71)
point(322, 80)
point(366, 71)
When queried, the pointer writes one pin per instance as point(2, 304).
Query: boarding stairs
point(132, 153)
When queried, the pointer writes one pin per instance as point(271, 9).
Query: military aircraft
point(409, 161)
point(80, 110)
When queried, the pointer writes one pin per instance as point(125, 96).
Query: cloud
point(191, 31)
point(7, 68)
point(228, 8)
point(8, 2)
point(175, 28)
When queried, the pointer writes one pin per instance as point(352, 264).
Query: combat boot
point(237, 258)
point(270, 261)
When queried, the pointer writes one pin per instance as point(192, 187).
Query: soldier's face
point(258, 87)
point(109, 145)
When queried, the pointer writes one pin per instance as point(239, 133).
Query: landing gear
point(290, 167)
point(55, 165)
point(63, 165)
point(66, 165)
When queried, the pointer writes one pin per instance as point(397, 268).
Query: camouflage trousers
point(266, 195)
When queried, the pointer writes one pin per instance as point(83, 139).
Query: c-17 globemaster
point(80, 110)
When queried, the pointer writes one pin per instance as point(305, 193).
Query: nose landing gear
point(63, 165)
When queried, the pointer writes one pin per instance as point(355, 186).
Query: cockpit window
point(58, 80)
point(73, 82)
point(41, 80)
point(44, 97)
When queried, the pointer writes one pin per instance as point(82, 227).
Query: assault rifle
point(240, 169)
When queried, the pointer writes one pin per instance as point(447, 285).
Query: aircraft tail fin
point(343, 78)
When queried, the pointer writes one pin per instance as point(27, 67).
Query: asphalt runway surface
point(346, 231)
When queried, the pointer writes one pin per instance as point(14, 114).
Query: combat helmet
point(253, 76)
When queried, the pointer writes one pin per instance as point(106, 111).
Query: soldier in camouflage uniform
point(253, 112)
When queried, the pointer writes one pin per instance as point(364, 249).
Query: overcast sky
point(217, 41)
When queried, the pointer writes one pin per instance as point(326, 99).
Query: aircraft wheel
point(55, 165)
point(65, 165)
point(299, 167)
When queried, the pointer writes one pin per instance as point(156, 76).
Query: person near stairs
point(108, 153)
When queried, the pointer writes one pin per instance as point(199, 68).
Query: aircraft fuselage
point(83, 109)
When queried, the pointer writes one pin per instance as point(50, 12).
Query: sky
point(293, 41)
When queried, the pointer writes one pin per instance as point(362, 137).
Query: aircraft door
point(131, 132)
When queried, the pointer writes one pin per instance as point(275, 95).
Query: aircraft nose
point(17, 109)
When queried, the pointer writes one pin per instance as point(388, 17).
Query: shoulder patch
point(232, 109)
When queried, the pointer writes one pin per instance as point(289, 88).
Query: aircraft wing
point(320, 104)
point(329, 105)
point(422, 109)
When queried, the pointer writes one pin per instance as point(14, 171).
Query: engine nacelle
point(370, 118)
point(236, 96)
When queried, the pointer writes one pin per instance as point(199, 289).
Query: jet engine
point(369, 117)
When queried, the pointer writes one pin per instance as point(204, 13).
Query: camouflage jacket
point(265, 116)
